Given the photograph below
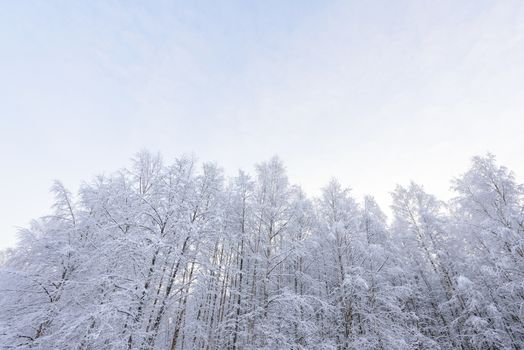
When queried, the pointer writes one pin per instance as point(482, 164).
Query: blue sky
point(373, 92)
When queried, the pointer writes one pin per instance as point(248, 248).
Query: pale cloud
point(375, 93)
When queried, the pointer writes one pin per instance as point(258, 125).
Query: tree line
point(177, 256)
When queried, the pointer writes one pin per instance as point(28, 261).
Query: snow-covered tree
point(176, 256)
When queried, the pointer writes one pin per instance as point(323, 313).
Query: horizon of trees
point(177, 256)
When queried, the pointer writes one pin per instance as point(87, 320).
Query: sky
point(375, 93)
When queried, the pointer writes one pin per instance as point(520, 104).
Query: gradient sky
point(373, 92)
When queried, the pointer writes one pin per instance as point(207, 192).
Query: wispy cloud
point(372, 92)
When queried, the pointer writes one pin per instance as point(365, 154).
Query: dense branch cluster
point(178, 257)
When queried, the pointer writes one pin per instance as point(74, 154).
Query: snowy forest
point(179, 256)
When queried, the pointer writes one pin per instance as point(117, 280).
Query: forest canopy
point(177, 256)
